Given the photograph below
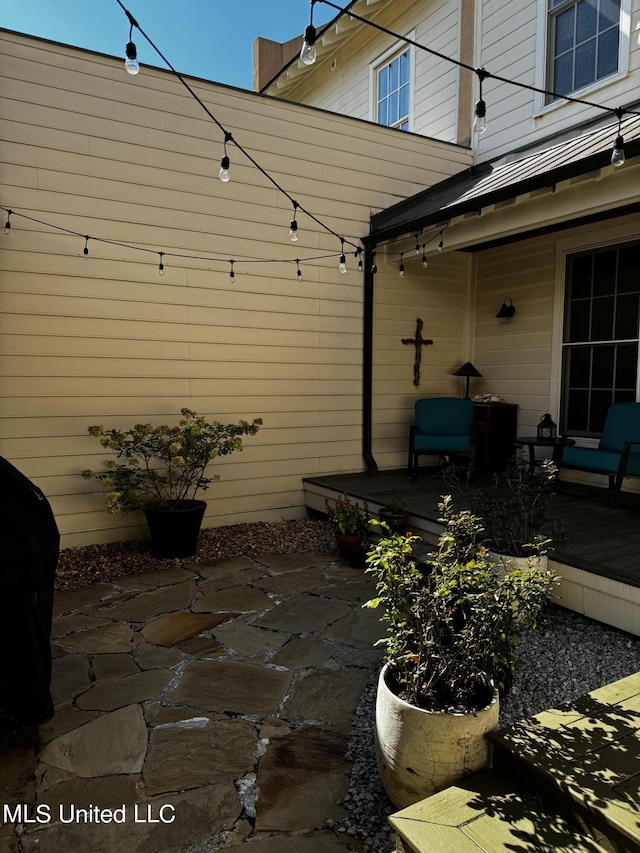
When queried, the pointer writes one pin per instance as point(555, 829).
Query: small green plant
point(397, 503)
point(453, 621)
point(514, 507)
point(164, 465)
point(347, 518)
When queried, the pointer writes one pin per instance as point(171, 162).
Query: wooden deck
point(599, 562)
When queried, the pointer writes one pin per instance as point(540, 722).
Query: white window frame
point(384, 59)
point(542, 53)
point(609, 234)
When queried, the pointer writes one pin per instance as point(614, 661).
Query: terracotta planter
point(348, 546)
point(174, 532)
point(420, 752)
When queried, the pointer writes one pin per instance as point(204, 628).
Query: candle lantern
point(546, 428)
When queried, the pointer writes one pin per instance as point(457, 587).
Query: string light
point(85, 251)
point(343, 260)
point(293, 227)
point(374, 265)
point(417, 245)
point(425, 262)
point(358, 255)
point(232, 275)
point(480, 118)
point(308, 51)
point(441, 243)
point(401, 267)
point(7, 224)
point(131, 63)
point(224, 174)
point(161, 265)
point(617, 155)
point(298, 270)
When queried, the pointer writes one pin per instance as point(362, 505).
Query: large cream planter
point(420, 752)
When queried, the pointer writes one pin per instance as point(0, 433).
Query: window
point(393, 90)
point(601, 335)
point(584, 38)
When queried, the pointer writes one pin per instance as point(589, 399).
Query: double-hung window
point(584, 40)
point(393, 90)
point(601, 336)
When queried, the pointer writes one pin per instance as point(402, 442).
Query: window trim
point(384, 59)
point(543, 59)
point(608, 235)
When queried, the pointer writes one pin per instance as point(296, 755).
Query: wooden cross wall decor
point(418, 342)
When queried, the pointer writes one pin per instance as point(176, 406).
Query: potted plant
point(453, 630)
point(395, 513)
point(350, 524)
point(514, 508)
point(162, 470)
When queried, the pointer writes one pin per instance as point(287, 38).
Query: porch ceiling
point(488, 184)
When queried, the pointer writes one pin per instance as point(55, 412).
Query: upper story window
point(393, 82)
point(584, 39)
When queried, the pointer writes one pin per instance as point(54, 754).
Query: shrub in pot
point(514, 508)
point(453, 630)
point(161, 469)
point(350, 524)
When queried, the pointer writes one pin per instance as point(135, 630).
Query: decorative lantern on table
point(547, 430)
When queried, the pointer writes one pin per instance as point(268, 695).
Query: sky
point(212, 39)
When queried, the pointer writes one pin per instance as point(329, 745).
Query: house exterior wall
point(341, 82)
point(106, 340)
point(511, 42)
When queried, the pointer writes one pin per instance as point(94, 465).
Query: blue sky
point(212, 39)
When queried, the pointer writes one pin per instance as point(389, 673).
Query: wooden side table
point(495, 431)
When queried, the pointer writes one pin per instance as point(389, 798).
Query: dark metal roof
point(493, 182)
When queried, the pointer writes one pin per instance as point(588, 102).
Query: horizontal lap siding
point(107, 340)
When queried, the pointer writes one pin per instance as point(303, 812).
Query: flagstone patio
point(198, 708)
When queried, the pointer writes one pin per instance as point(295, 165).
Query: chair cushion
point(598, 460)
point(442, 443)
point(444, 416)
point(622, 424)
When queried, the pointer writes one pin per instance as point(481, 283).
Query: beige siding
point(107, 340)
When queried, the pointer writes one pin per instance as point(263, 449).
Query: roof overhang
point(500, 200)
point(330, 37)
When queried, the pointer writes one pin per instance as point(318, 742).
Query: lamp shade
point(467, 369)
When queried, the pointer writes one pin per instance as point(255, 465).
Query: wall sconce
point(467, 370)
point(507, 310)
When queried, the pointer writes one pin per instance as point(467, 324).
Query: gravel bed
point(566, 656)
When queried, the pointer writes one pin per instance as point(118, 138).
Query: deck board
point(602, 535)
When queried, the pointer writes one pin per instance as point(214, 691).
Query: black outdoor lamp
point(467, 370)
point(547, 430)
point(507, 310)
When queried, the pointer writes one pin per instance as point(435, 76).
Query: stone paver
point(218, 695)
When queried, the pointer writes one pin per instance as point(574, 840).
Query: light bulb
point(131, 62)
point(480, 118)
point(343, 264)
point(374, 268)
point(293, 231)
point(308, 52)
point(299, 271)
point(401, 270)
point(440, 245)
point(617, 155)
point(425, 262)
point(161, 265)
point(224, 174)
point(7, 226)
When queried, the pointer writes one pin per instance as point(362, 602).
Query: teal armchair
point(443, 427)
point(618, 452)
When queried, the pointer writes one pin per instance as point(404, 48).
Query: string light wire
point(225, 132)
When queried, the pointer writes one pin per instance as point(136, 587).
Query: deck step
point(486, 813)
point(583, 760)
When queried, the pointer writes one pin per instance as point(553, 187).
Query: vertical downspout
point(367, 362)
